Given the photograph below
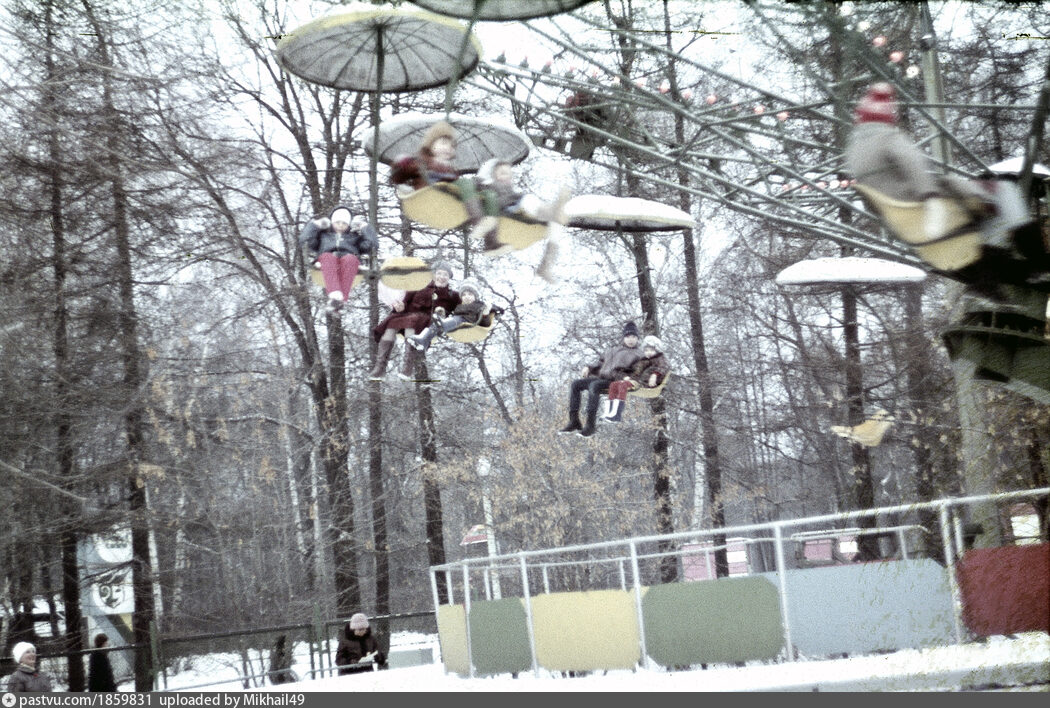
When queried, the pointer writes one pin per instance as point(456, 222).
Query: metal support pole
point(949, 565)
point(778, 541)
point(528, 612)
point(623, 576)
point(546, 581)
point(637, 582)
point(466, 616)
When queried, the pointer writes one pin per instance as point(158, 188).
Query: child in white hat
point(647, 372)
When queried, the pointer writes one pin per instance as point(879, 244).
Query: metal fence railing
point(630, 564)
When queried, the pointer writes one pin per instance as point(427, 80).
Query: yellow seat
point(405, 273)
point(439, 207)
point(650, 392)
point(467, 333)
point(959, 247)
point(318, 277)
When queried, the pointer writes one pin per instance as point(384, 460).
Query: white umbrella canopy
point(850, 270)
point(1013, 165)
point(477, 139)
point(379, 48)
point(500, 10)
point(601, 212)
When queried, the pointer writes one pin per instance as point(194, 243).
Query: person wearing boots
point(414, 313)
point(500, 196)
point(358, 649)
point(471, 310)
point(647, 372)
point(615, 363)
point(433, 164)
point(336, 245)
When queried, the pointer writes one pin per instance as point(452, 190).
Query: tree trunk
point(431, 491)
point(918, 374)
point(70, 537)
point(134, 379)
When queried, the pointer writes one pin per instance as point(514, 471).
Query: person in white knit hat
point(647, 372)
point(358, 650)
point(27, 678)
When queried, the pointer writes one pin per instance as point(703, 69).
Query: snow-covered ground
point(1022, 660)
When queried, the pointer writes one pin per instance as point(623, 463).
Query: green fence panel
point(499, 637)
point(713, 622)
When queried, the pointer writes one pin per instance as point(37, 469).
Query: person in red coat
point(414, 313)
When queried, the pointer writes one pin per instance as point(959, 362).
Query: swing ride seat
point(318, 278)
point(468, 333)
point(439, 206)
point(405, 273)
point(958, 247)
point(653, 392)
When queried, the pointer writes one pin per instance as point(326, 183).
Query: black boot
point(572, 427)
point(493, 246)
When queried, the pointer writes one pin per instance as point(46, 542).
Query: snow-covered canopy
point(477, 139)
point(606, 213)
point(851, 269)
point(1013, 165)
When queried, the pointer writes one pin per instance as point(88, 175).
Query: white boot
point(484, 225)
point(934, 217)
point(335, 301)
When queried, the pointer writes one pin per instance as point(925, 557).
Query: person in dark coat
point(100, 671)
point(281, 663)
point(614, 364)
point(647, 372)
point(358, 650)
point(433, 164)
point(336, 245)
point(27, 678)
point(414, 313)
point(472, 310)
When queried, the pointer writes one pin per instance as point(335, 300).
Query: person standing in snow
point(358, 649)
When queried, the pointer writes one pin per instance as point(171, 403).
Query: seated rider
point(647, 372)
point(471, 310)
point(500, 196)
point(413, 313)
point(881, 156)
point(615, 363)
point(337, 246)
point(433, 164)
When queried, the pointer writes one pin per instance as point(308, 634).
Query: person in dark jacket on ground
point(358, 650)
point(281, 663)
point(100, 671)
point(27, 678)
point(647, 372)
point(336, 245)
point(614, 364)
